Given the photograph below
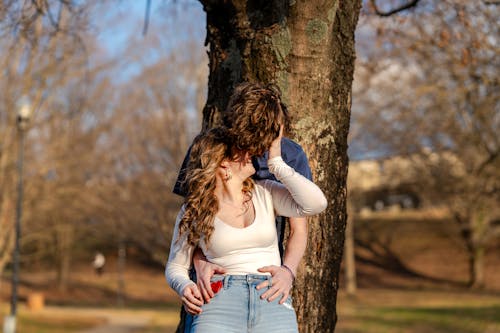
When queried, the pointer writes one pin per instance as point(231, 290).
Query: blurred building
point(382, 184)
point(396, 181)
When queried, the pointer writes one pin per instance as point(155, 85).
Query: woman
point(231, 219)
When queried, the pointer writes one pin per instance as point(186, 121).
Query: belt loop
point(226, 281)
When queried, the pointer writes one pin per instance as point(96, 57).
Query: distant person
point(98, 263)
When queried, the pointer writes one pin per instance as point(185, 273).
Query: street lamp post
point(23, 117)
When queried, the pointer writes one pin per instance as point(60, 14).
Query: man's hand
point(204, 272)
point(191, 299)
point(282, 283)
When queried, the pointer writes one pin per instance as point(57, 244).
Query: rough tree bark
point(307, 48)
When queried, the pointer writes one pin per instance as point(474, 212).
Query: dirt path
point(120, 323)
point(115, 321)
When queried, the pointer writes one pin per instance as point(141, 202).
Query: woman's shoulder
point(263, 187)
point(262, 192)
point(259, 186)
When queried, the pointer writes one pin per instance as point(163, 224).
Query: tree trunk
point(472, 229)
point(307, 48)
point(476, 267)
point(479, 226)
point(7, 207)
point(64, 238)
point(6, 231)
point(349, 256)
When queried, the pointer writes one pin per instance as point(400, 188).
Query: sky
point(171, 23)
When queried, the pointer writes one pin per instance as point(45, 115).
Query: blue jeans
point(237, 308)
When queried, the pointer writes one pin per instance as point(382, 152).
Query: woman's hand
point(275, 149)
point(282, 283)
point(191, 299)
point(204, 272)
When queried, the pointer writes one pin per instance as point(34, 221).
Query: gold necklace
point(241, 207)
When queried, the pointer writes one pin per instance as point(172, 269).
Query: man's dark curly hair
point(254, 115)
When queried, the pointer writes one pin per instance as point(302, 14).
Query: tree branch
point(491, 158)
point(146, 17)
point(54, 23)
point(401, 8)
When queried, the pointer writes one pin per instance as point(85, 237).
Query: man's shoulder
point(294, 155)
point(292, 152)
point(292, 146)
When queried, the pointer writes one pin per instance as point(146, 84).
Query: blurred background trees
point(428, 98)
point(109, 130)
point(116, 110)
point(41, 51)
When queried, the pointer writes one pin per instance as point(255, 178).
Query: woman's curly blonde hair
point(208, 151)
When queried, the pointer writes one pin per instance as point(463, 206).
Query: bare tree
point(102, 153)
point(433, 97)
point(120, 151)
point(149, 140)
point(40, 44)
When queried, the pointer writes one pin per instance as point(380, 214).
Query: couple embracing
point(238, 181)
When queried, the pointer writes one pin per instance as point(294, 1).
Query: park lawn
point(427, 313)
point(426, 294)
point(426, 320)
point(370, 311)
point(397, 311)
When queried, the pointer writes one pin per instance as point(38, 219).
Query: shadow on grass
point(485, 313)
point(79, 294)
point(377, 239)
point(425, 320)
point(389, 261)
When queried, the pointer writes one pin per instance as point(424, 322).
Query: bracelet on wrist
point(289, 270)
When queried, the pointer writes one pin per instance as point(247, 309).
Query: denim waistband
point(242, 280)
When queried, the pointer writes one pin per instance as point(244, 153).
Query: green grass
point(465, 320)
point(371, 311)
point(427, 314)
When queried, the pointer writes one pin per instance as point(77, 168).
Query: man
point(245, 113)
point(98, 263)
